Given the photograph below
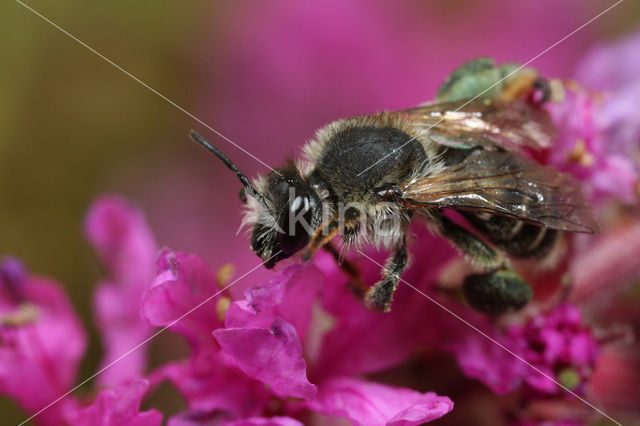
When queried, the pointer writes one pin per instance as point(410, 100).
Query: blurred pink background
point(265, 74)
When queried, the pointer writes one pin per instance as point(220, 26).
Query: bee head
point(282, 209)
point(284, 222)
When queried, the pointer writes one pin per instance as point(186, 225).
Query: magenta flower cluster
point(300, 348)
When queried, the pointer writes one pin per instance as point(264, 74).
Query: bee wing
point(505, 184)
point(490, 123)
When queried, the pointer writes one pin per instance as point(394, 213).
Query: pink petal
point(122, 239)
point(616, 176)
point(542, 383)
point(42, 342)
point(483, 360)
point(125, 246)
point(271, 355)
point(120, 332)
point(611, 66)
point(289, 295)
point(117, 407)
point(368, 403)
point(210, 384)
point(183, 282)
point(605, 122)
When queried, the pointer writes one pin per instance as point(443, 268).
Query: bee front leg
point(499, 289)
point(323, 235)
point(329, 230)
point(380, 296)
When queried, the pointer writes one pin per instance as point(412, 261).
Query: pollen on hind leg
point(497, 292)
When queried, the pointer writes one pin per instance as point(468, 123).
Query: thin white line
point(502, 79)
point(495, 341)
point(143, 342)
point(145, 85)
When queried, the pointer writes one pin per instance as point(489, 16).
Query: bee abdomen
point(516, 238)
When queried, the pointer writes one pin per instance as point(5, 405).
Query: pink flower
point(560, 345)
point(587, 148)
point(611, 66)
point(117, 406)
point(370, 403)
point(182, 283)
point(209, 381)
point(480, 357)
point(272, 355)
point(268, 339)
point(557, 343)
point(42, 341)
point(599, 122)
point(125, 246)
point(338, 392)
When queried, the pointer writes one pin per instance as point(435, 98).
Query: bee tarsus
point(380, 295)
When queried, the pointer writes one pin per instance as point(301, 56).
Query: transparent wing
point(505, 184)
point(512, 125)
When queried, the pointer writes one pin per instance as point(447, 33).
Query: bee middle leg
point(380, 296)
point(499, 289)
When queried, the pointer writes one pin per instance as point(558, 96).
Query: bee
point(470, 151)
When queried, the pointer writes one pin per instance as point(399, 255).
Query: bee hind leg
point(469, 244)
point(497, 292)
point(499, 289)
point(380, 296)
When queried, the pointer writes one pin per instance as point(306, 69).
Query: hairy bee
point(366, 178)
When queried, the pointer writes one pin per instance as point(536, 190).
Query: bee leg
point(498, 290)
point(323, 235)
point(356, 284)
point(380, 296)
point(327, 231)
point(469, 244)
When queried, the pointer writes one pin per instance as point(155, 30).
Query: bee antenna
point(243, 178)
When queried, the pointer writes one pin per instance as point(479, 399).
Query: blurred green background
point(73, 127)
